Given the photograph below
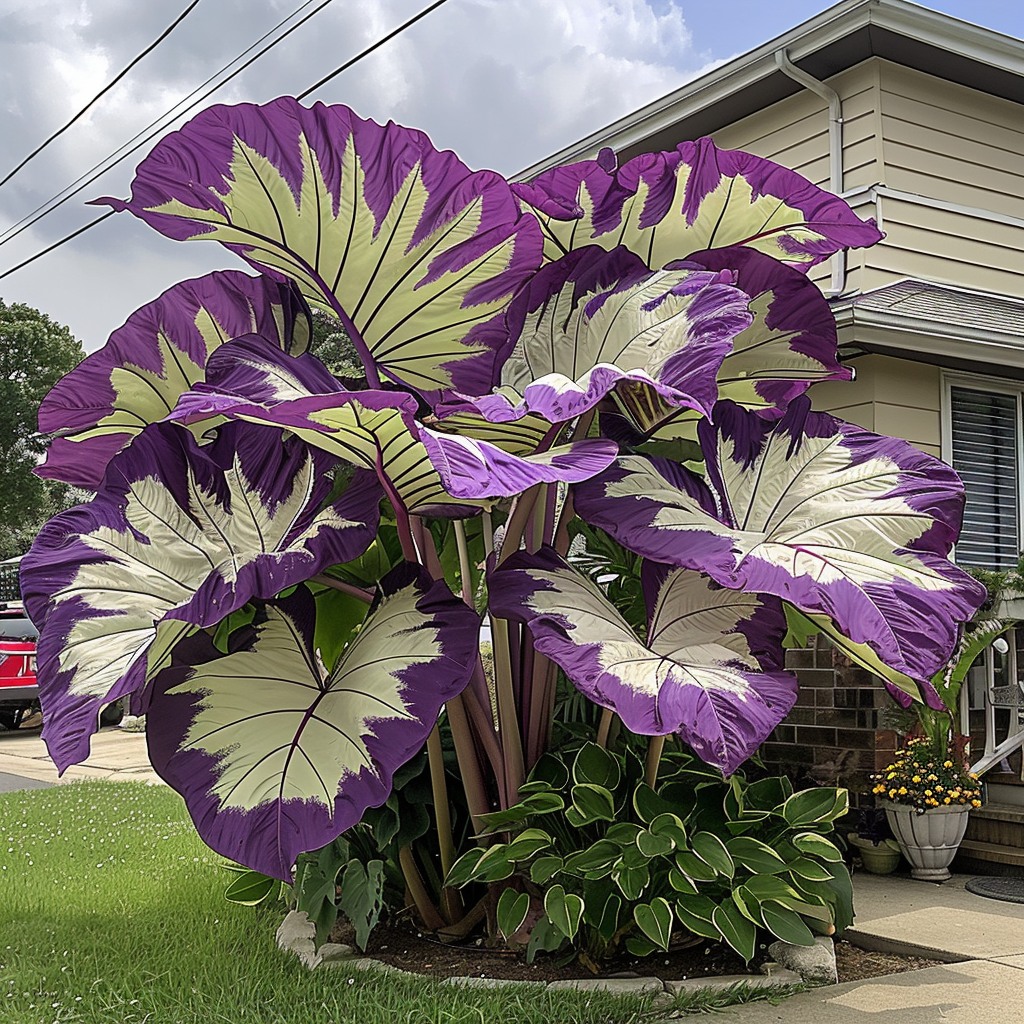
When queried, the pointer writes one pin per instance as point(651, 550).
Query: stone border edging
point(296, 935)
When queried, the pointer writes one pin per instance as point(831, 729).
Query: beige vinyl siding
point(892, 396)
point(952, 143)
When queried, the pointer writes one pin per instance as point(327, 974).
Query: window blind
point(985, 434)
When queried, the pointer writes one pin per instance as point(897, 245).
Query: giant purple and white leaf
point(710, 670)
point(594, 320)
point(160, 352)
point(416, 254)
point(519, 437)
point(664, 206)
point(836, 520)
point(178, 536)
point(275, 755)
point(419, 467)
point(790, 345)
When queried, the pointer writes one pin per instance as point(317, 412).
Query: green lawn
point(111, 910)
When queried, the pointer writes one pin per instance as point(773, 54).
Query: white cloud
point(503, 82)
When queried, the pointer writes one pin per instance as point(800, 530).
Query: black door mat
point(1009, 890)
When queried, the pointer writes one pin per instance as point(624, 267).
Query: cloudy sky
point(503, 82)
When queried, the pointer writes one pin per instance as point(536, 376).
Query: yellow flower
point(975, 803)
point(947, 800)
point(892, 794)
point(932, 778)
point(947, 764)
point(891, 775)
point(916, 778)
point(903, 790)
point(927, 792)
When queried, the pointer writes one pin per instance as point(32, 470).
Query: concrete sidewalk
point(981, 940)
point(116, 754)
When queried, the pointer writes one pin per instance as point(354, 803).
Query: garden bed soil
point(399, 944)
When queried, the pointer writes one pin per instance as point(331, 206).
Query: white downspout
point(835, 151)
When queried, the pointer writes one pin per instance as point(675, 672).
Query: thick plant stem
point(346, 588)
point(451, 903)
point(439, 789)
point(604, 727)
point(465, 570)
point(508, 725)
point(429, 914)
point(517, 522)
point(469, 763)
point(654, 749)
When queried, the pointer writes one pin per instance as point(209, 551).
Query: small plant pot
point(882, 859)
point(930, 840)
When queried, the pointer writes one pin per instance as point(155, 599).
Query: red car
point(19, 694)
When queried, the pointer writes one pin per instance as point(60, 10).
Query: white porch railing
point(995, 687)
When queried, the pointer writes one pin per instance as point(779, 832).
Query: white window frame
point(997, 385)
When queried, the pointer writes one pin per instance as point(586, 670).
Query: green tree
point(333, 347)
point(35, 352)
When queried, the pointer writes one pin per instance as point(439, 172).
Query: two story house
point(917, 119)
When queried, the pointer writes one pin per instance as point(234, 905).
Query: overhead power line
point(110, 85)
point(109, 162)
point(337, 71)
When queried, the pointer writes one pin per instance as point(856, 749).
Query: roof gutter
point(835, 150)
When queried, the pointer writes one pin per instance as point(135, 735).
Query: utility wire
point(380, 42)
point(110, 85)
point(106, 164)
point(58, 244)
point(337, 71)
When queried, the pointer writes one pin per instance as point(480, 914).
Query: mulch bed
point(399, 944)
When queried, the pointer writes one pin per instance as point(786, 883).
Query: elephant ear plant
point(289, 576)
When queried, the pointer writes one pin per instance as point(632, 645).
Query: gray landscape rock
point(472, 982)
point(615, 986)
point(335, 953)
point(296, 934)
point(815, 964)
point(727, 981)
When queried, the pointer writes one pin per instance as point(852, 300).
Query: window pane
point(985, 433)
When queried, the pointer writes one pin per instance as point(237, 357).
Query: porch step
point(979, 858)
point(999, 824)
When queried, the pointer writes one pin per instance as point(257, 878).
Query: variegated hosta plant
point(290, 576)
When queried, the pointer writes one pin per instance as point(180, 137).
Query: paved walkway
point(982, 941)
point(116, 754)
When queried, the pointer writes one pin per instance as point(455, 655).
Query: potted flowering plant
point(929, 793)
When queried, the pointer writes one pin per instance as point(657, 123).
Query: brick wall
point(834, 735)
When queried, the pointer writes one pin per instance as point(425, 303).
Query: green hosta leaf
point(735, 929)
point(564, 910)
point(596, 766)
point(552, 770)
point(786, 924)
point(592, 803)
point(250, 888)
point(654, 919)
point(464, 869)
point(810, 870)
point(651, 844)
point(639, 946)
point(649, 805)
point(495, 864)
point(694, 868)
point(811, 806)
point(534, 804)
point(528, 843)
point(632, 881)
point(713, 851)
point(755, 856)
point(767, 794)
point(624, 833)
point(544, 938)
point(611, 912)
point(842, 888)
point(601, 855)
point(670, 825)
point(770, 887)
point(747, 904)
point(680, 882)
point(817, 846)
point(696, 913)
point(512, 910)
point(543, 869)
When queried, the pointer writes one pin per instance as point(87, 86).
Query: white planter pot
point(930, 840)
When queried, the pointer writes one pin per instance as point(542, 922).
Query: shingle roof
point(952, 307)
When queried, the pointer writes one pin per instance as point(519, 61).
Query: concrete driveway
point(116, 754)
